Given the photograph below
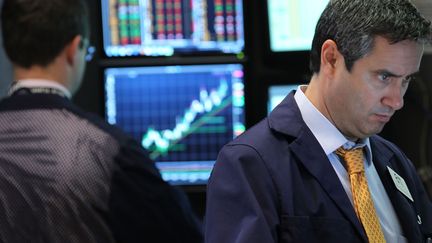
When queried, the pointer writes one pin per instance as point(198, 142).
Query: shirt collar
point(39, 83)
point(328, 136)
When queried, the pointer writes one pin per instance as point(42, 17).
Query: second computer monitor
point(276, 93)
point(172, 27)
point(182, 114)
point(299, 18)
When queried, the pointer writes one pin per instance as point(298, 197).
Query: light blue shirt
point(330, 138)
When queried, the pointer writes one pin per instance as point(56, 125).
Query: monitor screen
point(292, 23)
point(182, 115)
point(171, 27)
point(276, 93)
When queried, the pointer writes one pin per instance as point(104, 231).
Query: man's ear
point(330, 56)
point(73, 49)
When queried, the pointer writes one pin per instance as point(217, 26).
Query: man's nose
point(394, 96)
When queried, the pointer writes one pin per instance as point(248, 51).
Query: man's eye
point(383, 76)
point(407, 81)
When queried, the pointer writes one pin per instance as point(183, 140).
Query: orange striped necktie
point(363, 203)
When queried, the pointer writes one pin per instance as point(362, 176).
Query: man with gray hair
point(314, 170)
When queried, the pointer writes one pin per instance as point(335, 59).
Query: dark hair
point(354, 24)
point(35, 31)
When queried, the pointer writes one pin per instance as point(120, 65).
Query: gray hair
point(354, 24)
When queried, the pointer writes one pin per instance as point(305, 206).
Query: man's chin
point(376, 130)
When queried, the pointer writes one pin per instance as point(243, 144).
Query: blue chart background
point(157, 100)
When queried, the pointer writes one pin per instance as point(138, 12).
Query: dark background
point(410, 128)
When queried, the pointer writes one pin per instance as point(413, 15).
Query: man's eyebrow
point(387, 72)
point(391, 74)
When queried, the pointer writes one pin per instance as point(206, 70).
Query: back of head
point(36, 31)
point(353, 25)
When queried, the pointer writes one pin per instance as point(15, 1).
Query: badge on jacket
point(400, 183)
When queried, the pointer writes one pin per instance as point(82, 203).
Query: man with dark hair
point(65, 175)
point(315, 170)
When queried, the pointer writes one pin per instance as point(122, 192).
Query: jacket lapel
point(286, 118)
point(317, 163)
point(404, 208)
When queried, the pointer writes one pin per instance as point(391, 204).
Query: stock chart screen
point(182, 115)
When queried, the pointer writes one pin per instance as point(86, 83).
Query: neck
point(51, 72)
point(314, 93)
point(33, 73)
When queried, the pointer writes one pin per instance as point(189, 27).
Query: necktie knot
point(353, 159)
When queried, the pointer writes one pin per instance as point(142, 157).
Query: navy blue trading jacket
point(274, 183)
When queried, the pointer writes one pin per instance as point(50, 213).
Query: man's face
point(362, 101)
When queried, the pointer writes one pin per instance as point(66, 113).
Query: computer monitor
point(276, 93)
point(182, 114)
point(172, 27)
point(291, 23)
